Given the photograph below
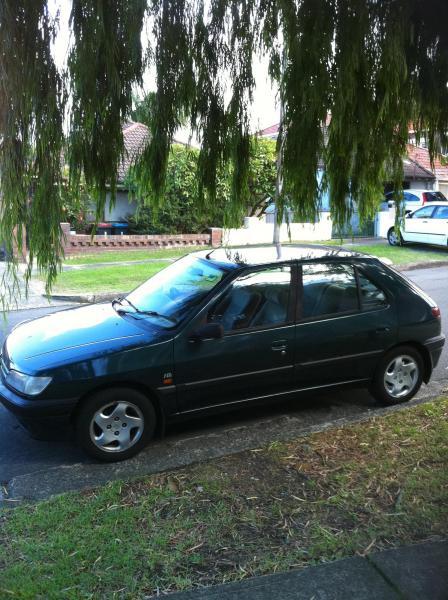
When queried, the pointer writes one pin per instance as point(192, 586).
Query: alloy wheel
point(117, 426)
point(393, 238)
point(401, 376)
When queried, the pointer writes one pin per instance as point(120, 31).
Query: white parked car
point(426, 225)
point(415, 198)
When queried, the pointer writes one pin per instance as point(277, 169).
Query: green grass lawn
point(399, 255)
point(345, 491)
point(403, 255)
point(129, 255)
point(105, 279)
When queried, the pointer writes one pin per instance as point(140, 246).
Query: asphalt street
point(57, 465)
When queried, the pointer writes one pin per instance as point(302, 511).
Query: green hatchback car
point(219, 329)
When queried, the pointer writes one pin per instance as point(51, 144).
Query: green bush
point(77, 210)
point(179, 211)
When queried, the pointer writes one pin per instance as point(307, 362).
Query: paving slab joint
point(387, 579)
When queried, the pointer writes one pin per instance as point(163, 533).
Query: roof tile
point(421, 156)
point(135, 137)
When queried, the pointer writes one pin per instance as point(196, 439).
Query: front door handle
point(279, 346)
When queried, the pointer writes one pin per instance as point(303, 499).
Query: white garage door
point(443, 187)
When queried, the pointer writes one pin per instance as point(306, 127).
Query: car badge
point(168, 378)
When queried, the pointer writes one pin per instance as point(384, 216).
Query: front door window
point(423, 213)
point(254, 300)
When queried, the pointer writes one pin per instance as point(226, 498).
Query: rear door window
point(328, 289)
point(441, 213)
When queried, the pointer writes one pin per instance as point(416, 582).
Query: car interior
point(251, 306)
point(323, 298)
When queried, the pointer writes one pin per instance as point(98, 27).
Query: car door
point(417, 226)
point(439, 226)
point(254, 357)
point(345, 323)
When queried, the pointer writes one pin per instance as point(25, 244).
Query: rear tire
point(115, 424)
point(393, 238)
point(398, 376)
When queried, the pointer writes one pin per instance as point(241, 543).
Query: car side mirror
point(209, 331)
point(390, 204)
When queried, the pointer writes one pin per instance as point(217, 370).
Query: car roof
point(259, 255)
point(413, 191)
point(410, 190)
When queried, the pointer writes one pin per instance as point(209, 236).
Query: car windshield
point(173, 293)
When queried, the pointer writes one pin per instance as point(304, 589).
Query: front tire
point(393, 238)
point(398, 376)
point(115, 424)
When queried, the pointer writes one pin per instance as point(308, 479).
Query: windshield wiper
point(154, 313)
point(120, 302)
point(149, 313)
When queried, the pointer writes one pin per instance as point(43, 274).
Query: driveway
point(36, 469)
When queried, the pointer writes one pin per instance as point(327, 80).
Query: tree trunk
point(278, 218)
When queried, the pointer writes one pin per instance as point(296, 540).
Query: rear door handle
point(382, 330)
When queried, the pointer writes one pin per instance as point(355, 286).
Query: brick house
point(420, 155)
point(135, 136)
point(417, 174)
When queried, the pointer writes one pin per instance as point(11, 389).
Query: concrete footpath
point(24, 299)
point(417, 572)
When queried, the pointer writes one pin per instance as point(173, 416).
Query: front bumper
point(27, 409)
point(435, 346)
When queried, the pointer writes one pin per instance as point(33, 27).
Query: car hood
point(72, 335)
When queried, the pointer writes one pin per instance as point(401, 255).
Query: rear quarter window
point(371, 295)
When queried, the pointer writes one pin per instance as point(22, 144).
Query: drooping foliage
point(31, 137)
point(180, 209)
point(104, 63)
point(353, 76)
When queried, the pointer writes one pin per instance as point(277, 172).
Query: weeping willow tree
point(376, 67)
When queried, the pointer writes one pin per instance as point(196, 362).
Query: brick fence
point(82, 244)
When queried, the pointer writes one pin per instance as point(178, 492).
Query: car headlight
point(27, 384)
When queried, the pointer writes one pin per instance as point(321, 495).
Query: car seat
point(237, 309)
point(274, 307)
point(336, 298)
